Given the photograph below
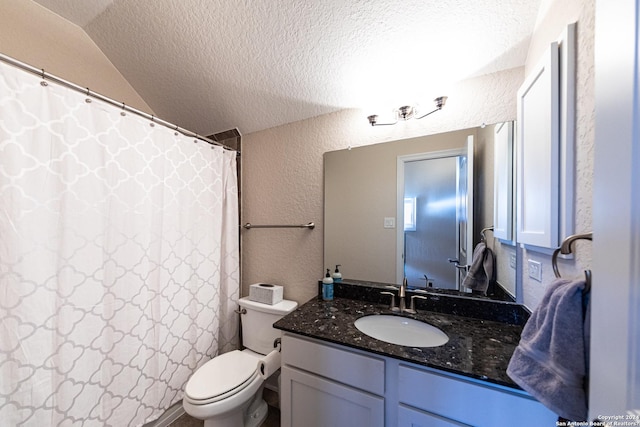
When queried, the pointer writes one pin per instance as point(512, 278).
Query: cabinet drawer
point(411, 417)
point(350, 368)
point(469, 402)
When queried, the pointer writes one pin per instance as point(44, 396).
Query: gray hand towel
point(481, 270)
point(549, 362)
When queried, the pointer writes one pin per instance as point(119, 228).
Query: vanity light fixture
point(407, 112)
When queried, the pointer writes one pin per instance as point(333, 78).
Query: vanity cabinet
point(325, 384)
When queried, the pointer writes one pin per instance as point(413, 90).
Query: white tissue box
point(266, 293)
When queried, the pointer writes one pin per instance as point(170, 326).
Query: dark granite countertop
point(477, 348)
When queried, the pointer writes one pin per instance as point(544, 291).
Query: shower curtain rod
point(47, 76)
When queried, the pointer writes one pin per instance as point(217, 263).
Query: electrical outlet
point(512, 261)
point(535, 270)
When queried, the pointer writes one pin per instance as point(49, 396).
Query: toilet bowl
point(227, 390)
point(222, 391)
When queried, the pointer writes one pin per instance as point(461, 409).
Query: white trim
point(169, 416)
point(615, 295)
point(470, 207)
point(503, 156)
point(567, 48)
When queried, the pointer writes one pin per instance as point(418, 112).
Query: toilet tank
point(257, 331)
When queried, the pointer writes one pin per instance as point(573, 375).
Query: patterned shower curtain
point(118, 258)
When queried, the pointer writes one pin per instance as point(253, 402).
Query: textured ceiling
point(212, 65)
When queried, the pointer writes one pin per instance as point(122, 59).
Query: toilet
point(227, 390)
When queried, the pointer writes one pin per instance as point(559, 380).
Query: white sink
point(401, 330)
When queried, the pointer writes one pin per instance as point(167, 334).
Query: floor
point(273, 418)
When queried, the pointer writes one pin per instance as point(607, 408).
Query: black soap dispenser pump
point(337, 276)
point(327, 286)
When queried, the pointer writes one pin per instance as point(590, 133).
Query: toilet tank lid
point(282, 308)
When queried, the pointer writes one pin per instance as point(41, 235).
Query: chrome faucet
point(402, 295)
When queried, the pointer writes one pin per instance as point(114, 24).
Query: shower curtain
point(118, 258)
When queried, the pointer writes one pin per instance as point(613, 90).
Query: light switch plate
point(535, 270)
point(389, 222)
point(512, 261)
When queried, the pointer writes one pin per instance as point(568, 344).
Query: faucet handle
point(412, 308)
point(392, 306)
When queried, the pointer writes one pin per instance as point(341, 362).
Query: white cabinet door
point(311, 401)
point(546, 147)
point(538, 154)
point(503, 182)
point(411, 417)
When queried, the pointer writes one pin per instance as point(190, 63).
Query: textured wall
point(38, 37)
point(561, 13)
point(283, 176)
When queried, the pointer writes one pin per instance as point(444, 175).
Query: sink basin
point(401, 330)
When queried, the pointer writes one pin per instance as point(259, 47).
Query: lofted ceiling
point(213, 65)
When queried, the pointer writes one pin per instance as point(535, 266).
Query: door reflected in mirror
point(434, 193)
point(374, 238)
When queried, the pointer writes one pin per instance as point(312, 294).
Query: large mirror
point(413, 207)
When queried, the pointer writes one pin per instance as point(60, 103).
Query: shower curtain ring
point(177, 131)
point(122, 113)
point(152, 124)
point(88, 100)
point(44, 81)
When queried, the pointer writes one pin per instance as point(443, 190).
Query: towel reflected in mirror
point(482, 269)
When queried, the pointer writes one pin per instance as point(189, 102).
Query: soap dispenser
point(337, 276)
point(327, 286)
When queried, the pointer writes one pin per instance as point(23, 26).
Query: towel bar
point(566, 248)
point(249, 226)
point(482, 236)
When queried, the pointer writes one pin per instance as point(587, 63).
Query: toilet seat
point(221, 377)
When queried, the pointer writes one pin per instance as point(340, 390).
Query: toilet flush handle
point(241, 311)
